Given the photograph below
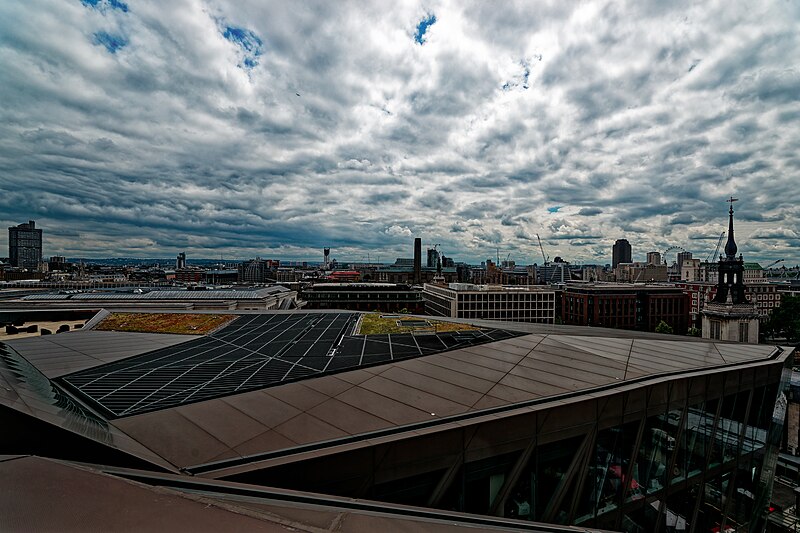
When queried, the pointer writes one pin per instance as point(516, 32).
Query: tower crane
point(544, 257)
point(713, 257)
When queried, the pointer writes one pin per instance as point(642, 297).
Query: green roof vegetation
point(181, 323)
point(377, 323)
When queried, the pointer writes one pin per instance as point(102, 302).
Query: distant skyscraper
point(621, 252)
point(433, 258)
point(326, 254)
point(180, 261)
point(682, 256)
point(653, 258)
point(25, 245)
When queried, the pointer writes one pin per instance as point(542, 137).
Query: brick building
point(625, 306)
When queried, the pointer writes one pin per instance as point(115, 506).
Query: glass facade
point(681, 453)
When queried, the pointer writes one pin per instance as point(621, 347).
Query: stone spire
point(730, 246)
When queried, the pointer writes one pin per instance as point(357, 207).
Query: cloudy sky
point(141, 129)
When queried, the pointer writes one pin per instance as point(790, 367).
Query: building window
point(715, 329)
point(743, 332)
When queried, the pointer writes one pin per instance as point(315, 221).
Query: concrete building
point(730, 316)
point(491, 302)
point(640, 272)
point(180, 261)
point(621, 253)
point(258, 271)
point(653, 258)
point(625, 306)
point(690, 270)
point(25, 246)
point(682, 256)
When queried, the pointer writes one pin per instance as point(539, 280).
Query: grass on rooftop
point(181, 323)
point(373, 324)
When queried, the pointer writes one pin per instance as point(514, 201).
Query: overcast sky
point(142, 129)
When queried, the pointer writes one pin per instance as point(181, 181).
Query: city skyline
point(144, 130)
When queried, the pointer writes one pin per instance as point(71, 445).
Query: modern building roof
point(231, 430)
point(80, 498)
point(56, 355)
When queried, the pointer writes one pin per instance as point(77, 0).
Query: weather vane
point(731, 202)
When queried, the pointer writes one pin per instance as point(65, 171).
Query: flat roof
point(255, 294)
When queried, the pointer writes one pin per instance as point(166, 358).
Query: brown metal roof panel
point(173, 437)
point(223, 421)
point(305, 428)
point(446, 390)
point(297, 395)
point(267, 410)
point(466, 368)
point(480, 355)
point(424, 367)
point(349, 419)
point(396, 412)
point(266, 442)
point(423, 400)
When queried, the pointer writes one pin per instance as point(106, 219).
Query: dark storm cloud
point(252, 128)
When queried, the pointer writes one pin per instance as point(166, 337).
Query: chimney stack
point(417, 260)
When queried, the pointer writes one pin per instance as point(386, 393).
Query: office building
point(491, 302)
point(683, 256)
point(621, 252)
point(180, 261)
point(653, 258)
point(25, 245)
point(625, 306)
point(384, 297)
point(640, 272)
point(525, 427)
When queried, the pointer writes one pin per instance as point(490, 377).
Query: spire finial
point(730, 246)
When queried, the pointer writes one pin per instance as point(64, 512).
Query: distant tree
point(693, 332)
point(663, 327)
point(785, 320)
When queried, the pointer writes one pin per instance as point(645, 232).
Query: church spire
point(730, 246)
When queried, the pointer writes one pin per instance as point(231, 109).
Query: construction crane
point(713, 257)
point(544, 257)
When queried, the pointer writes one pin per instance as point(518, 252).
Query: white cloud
point(341, 130)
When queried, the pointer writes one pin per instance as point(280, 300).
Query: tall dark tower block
point(417, 260)
point(621, 253)
point(25, 246)
point(326, 253)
